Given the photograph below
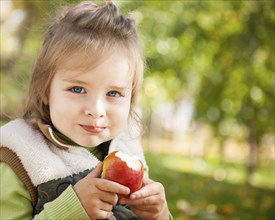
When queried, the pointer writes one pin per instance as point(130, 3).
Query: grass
point(210, 189)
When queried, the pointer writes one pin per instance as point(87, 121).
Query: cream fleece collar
point(45, 161)
point(42, 160)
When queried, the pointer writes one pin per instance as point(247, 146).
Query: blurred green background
point(207, 101)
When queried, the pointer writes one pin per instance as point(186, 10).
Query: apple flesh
point(123, 169)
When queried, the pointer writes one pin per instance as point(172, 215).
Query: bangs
point(81, 53)
point(79, 60)
point(88, 54)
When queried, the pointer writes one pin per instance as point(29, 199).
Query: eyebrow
point(76, 81)
point(120, 87)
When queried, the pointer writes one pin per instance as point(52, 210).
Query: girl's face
point(91, 107)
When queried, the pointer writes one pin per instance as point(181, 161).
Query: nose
point(96, 109)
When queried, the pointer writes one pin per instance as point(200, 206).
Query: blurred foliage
point(193, 194)
point(220, 52)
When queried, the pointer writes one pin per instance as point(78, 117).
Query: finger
point(104, 206)
point(144, 214)
point(110, 198)
point(110, 186)
point(148, 208)
point(150, 189)
point(146, 201)
point(96, 172)
point(147, 181)
point(101, 214)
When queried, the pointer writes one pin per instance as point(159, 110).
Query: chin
point(92, 142)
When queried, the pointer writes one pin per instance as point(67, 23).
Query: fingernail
point(133, 196)
point(128, 191)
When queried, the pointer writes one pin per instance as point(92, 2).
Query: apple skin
point(117, 170)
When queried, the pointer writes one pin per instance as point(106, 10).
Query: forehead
point(78, 60)
point(86, 59)
point(114, 66)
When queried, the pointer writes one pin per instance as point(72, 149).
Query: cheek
point(55, 113)
point(120, 114)
point(59, 109)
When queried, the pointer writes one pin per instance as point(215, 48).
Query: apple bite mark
point(123, 169)
point(132, 162)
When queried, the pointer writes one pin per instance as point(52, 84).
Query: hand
point(98, 196)
point(149, 202)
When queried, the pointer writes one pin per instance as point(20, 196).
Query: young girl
point(81, 98)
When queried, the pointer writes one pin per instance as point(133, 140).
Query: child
point(81, 98)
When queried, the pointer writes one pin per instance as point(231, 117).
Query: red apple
point(123, 169)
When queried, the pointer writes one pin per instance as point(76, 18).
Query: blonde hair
point(95, 32)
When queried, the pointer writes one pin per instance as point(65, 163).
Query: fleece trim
point(45, 161)
point(42, 160)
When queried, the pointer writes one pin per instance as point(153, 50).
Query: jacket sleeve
point(16, 203)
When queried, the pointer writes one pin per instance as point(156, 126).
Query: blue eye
point(77, 89)
point(114, 94)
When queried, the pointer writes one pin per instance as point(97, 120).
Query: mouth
point(93, 129)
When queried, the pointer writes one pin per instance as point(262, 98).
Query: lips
point(93, 129)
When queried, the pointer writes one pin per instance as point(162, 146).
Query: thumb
point(147, 181)
point(96, 172)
